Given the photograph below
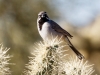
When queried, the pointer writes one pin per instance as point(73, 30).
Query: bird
point(48, 28)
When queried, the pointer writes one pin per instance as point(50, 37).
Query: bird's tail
point(79, 55)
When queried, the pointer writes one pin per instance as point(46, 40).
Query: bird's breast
point(47, 32)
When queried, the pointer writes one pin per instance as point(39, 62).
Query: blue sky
point(78, 12)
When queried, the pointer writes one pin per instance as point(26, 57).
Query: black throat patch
point(41, 22)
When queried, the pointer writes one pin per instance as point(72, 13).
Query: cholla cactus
point(4, 61)
point(74, 66)
point(48, 57)
point(49, 60)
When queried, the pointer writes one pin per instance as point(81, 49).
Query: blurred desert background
point(18, 28)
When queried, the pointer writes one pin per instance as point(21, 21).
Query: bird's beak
point(43, 16)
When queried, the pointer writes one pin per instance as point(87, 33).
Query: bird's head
point(42, 17)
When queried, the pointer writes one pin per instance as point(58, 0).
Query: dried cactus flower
point(4, 61)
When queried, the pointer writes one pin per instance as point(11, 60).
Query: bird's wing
point(57, 28)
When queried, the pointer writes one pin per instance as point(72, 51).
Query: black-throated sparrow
point(48, 28)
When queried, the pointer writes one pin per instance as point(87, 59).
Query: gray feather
point(57, 28)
